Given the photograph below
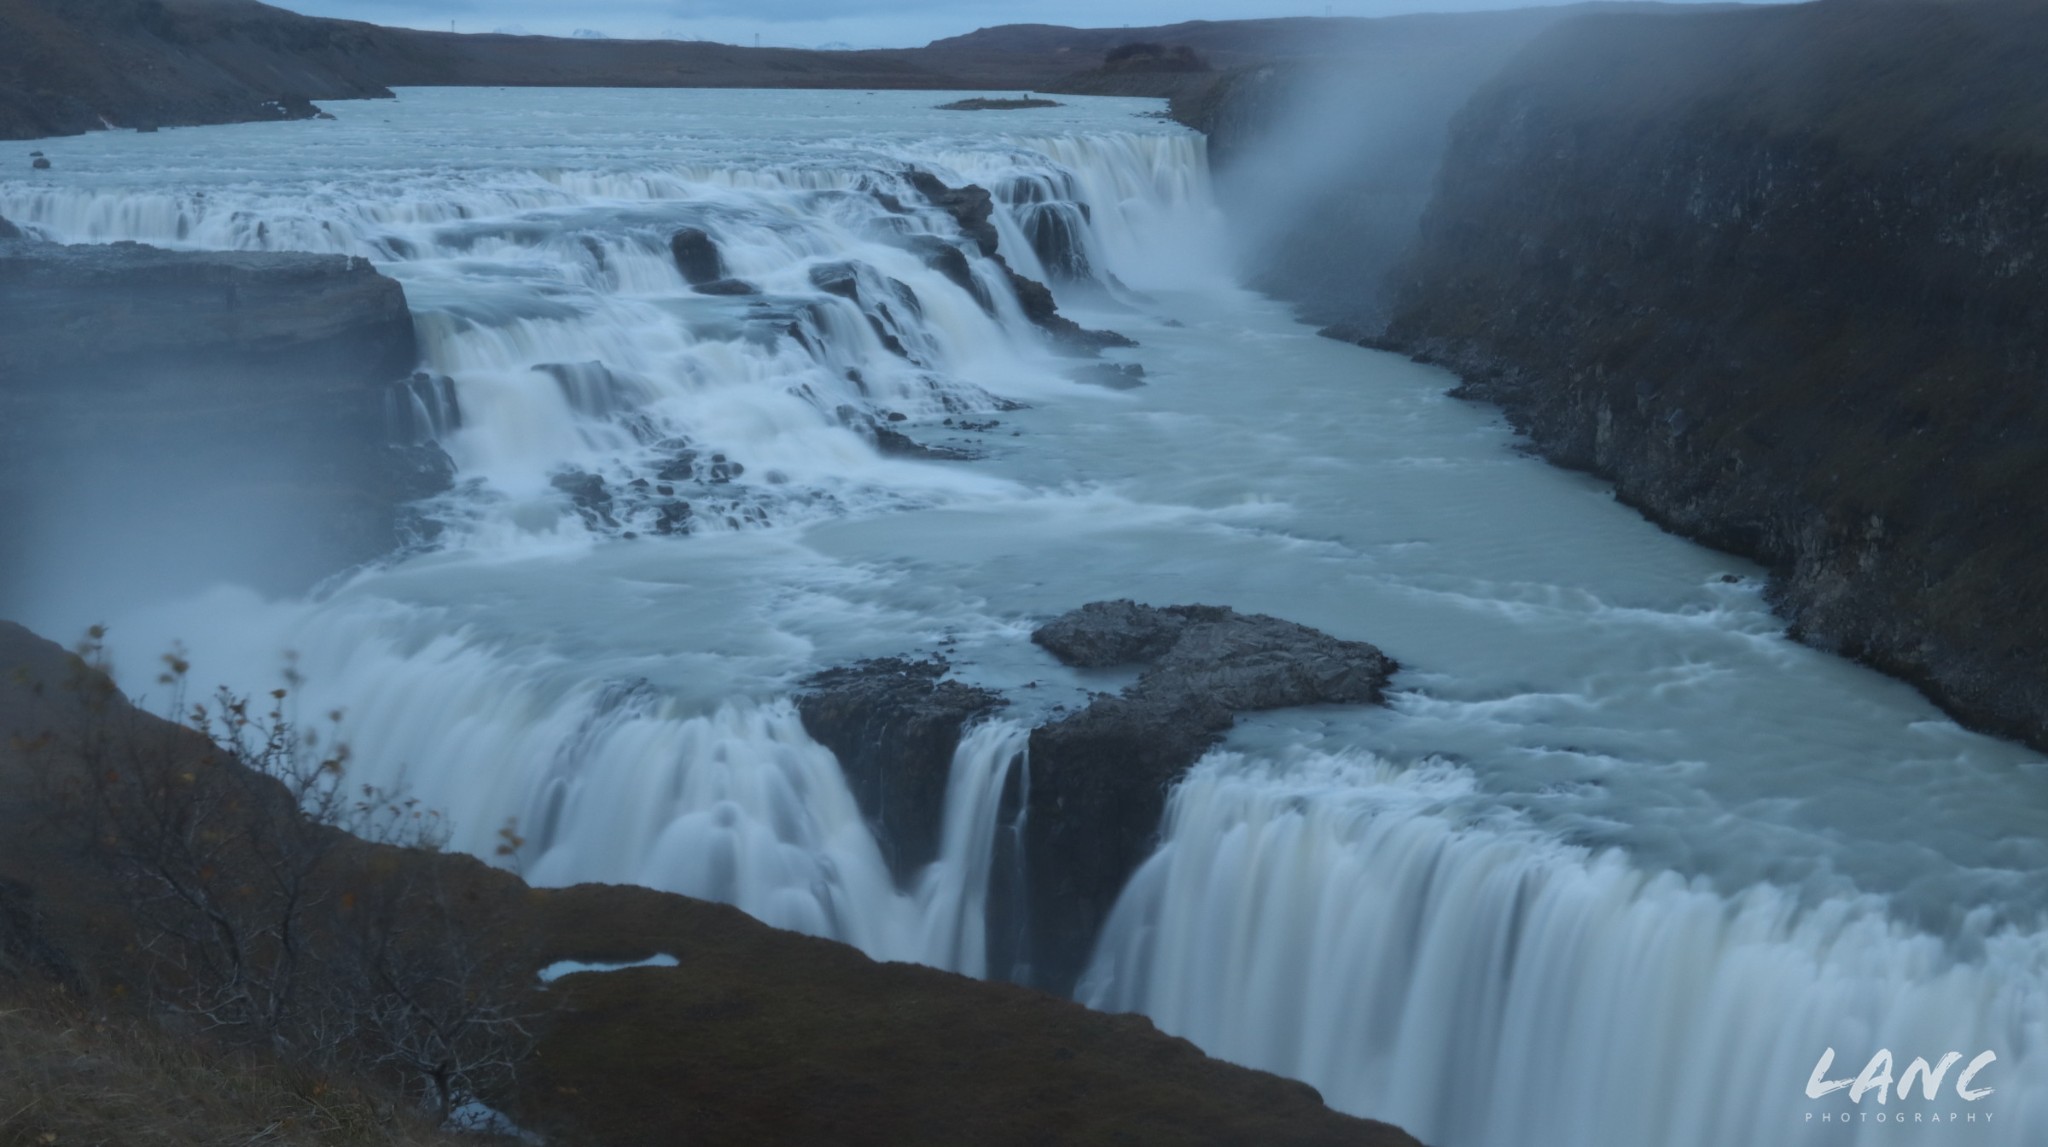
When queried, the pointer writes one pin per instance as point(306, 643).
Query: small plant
point(264, 913)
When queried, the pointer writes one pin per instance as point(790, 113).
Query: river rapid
point(1615, 865)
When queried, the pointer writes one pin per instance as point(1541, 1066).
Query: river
point(1614, 866)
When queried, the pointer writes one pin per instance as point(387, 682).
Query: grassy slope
point(759, 1036)
point(70, 1076)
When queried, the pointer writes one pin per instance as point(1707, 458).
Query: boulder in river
point(697, 256)
point(728, 287)
point(972, 207)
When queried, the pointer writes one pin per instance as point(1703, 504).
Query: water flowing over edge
point(1324, 917)
point(1332, 919)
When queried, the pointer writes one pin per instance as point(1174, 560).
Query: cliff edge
point(204, 414)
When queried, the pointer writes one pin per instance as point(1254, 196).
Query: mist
point(1326, 165)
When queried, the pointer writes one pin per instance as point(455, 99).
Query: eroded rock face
point(1099, 778)
point(1790, 314)
point(237, 415)
point(894, 724)
point(971, 207)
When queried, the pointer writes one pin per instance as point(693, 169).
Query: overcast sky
point(835, 23)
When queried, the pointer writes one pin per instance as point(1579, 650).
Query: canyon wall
point(1778, 274)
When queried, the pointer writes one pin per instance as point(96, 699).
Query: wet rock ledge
point(1099, 777)
point(249, 404)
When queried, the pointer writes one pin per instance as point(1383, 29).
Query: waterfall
point(591, 389)
point(675, 499)
point(602, 394)
point(1330, 918)
point(616, 781)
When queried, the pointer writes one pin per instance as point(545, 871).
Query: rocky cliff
point(1778, 274)
point(1098, 777)
point(205, 414)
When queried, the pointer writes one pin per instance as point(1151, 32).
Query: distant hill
point(69, 66)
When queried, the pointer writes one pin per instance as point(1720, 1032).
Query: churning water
point(1614, 867)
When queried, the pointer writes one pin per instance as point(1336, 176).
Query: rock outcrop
point(201, 396)
point(697, 256)
point(755, 1036)
point(894, 724)
point(1777, 274)
point(972, 208)
point(1100, 777)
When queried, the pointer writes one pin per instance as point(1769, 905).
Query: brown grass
point(72, 1079)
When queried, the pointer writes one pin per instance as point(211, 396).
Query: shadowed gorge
point(1776, 274)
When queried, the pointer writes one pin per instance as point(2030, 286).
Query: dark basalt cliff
point(235, 402)
point(1099, 777)
point(894, 724)
point(1779, 275)
point(1326, 160)
point(756, 1036)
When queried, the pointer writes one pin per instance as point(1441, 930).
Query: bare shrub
point(276, 904)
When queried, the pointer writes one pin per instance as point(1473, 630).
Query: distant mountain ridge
point(72, 66)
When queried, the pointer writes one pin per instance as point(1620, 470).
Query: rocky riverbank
point(754, 1035)
point(207, 414)
point(1099, 776)
point(1778, 274)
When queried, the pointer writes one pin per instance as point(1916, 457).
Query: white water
point(1672, 855)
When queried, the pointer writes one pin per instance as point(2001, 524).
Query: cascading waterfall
point(673, 504)
point(587, 391)
point(551, 300)
point(1484, 985)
